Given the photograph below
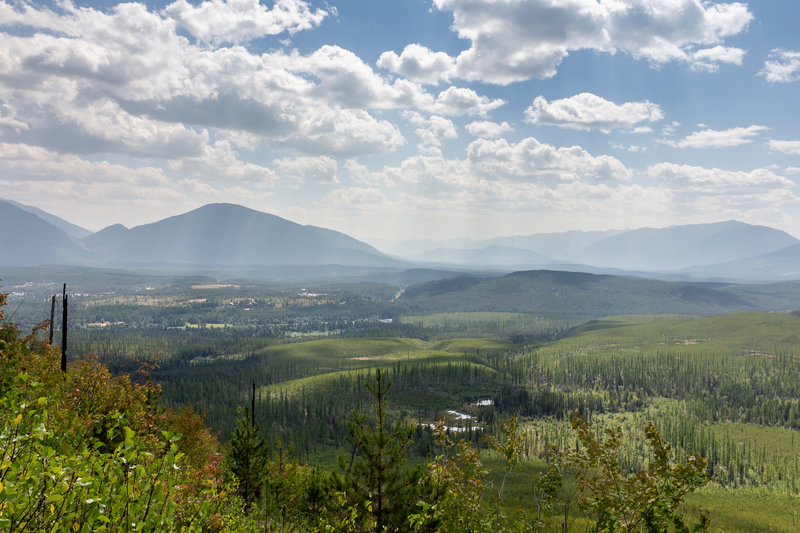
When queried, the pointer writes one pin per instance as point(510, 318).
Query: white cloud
point(321, 169)
point(487, 129)
point(345, 79)
point(719, 138)
point(782, 66)
point(462, 101)
point(787, 147)
point(419, 63)
point(669, 129)
point(432, 130)
point(693, 191)
point(236, 21)
point(714, 181)
point(519, 39)
point(629, 148)
point(709, 58)
point(9, 120)
point(587, 111)
point(103, 190)
point(532, 160)
point(124, 81)
point(219, 163)
point(354, 198)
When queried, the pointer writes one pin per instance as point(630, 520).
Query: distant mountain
point(580, 296)
point(490, 256)
point(550, 245)
point(680, 247)
point(782, 264)
point(682, 252)
point(232, 237)
point(556, 245)
point(26, 240)
point(68, 227)
point(224, 235)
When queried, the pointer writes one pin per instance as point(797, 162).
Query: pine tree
point(375, 477)
point(248, 458)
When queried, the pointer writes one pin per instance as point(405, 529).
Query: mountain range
point(227, 236)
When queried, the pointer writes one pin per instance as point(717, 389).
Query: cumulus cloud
point(719, 138)
point(125, 81)
point(104, 190)
point(519, 39)
point(39, 164)
point(462, 101)
point(236, 21)
point(321, 169)
point(714, 181)
point(419, 63)
point(787, 147)
point(487, 129)
point(345, 79)
point(743, 195)
point(432, 130)
point(587, 111)
point(220, 163)
point(533, 160)
point(9, 121)
point(709, 58)
point(782, 66)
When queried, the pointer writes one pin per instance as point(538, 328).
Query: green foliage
point(375, 480)
point(247, 458)
point(510, 448)
point(457, 481)
point(646, 500)
point(89, 452)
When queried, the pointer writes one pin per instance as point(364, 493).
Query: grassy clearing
point(741, 510)
point(295, 386)
point(485, 324)
point(474, 346)
point(206, 326)
point(747, 510)
point(453, 319)
point(748, 334)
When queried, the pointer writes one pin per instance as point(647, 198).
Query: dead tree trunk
point(52, 318)
point(64, 331)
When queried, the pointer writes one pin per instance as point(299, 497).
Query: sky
point(405, 119)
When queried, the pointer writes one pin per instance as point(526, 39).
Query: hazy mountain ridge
point(27, 239)
point(231, 236)
point(490, 256)
point(676, 247)
point(64, 225)
point(716, 250)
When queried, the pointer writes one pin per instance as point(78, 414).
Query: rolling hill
point(581, 296)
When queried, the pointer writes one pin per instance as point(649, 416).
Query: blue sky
point(405, 119)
